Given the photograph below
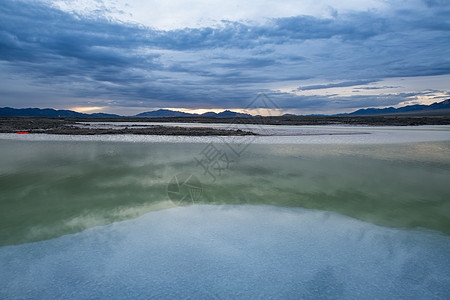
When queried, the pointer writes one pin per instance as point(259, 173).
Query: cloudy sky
point(308, 56)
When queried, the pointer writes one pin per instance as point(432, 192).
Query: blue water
point(231, 252)
point(324, 217)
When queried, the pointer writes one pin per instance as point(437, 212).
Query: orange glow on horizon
point(84, 109)
point(263, 111)
point(197, 110)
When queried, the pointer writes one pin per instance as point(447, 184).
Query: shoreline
point(74, 126)
point(64, 126)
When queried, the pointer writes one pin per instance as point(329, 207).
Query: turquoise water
point(52, 188)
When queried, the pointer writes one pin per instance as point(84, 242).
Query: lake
point(304, 212)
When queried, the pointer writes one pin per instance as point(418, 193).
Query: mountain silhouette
point(48, 112)
point(433, 109)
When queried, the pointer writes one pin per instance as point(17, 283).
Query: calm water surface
point(51, 188)
point(83, 219)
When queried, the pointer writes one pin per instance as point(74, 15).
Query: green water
point(49, 189)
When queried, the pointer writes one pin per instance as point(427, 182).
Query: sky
point(306, 56)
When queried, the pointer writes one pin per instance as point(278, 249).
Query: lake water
point(363, 214)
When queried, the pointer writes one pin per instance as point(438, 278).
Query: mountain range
point(160, 113)
point(433, 109)
point(48, 112)
point(173, 113)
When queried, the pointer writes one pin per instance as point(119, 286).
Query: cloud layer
point(82, 59)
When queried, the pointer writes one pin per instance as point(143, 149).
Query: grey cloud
point(94, 57)
point(377, 87)
point(347, 103)
point(437, 3)
point(334, 85)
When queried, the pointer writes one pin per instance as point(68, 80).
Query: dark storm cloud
point(222, 66)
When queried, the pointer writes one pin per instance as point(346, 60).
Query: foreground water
point(51, 188)
point(231, 252)
point(347, 219)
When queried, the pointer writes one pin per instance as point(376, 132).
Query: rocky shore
point(69, 126)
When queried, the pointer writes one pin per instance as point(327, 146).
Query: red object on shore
point(22, 132)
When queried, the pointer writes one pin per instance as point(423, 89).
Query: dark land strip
point(71, 125)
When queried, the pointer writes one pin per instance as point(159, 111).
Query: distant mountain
point(226, 114)
point(435, 108)
point(46, 112)
point(232, 114)
point(438, 108)
point(162, 113)
point(103, 115)
point(209, 114)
